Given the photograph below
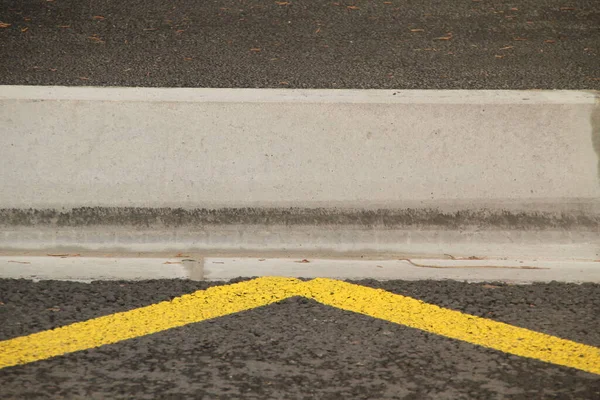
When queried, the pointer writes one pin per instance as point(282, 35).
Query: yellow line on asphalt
point(223, 300)
point(484, 332)
point(199, 306)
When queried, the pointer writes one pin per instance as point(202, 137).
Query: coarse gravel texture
point(299, 349)
point(400, 44)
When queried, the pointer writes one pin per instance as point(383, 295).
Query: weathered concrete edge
point(218, 95)
point(585, 217)
point(337, 240)
point(87, 269)
point(565, 235)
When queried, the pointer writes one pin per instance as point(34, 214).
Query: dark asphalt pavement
point(402, 44)
point(299, 349)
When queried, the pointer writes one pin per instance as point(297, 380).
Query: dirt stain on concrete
point(420, 218)
point(595, 122)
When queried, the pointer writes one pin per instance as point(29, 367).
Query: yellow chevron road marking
point(199, 306)
point(484, 332)
point(224, 300)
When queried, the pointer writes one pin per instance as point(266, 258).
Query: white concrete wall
point(62, 147)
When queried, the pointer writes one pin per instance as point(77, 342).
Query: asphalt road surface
point(299, 349)
point(401, 44)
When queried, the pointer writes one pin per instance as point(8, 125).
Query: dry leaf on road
point(96, 39)
point(447, 37)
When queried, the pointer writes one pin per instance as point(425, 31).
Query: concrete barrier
point(430, 172)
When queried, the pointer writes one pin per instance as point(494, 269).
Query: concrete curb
point(215, 268)
point(491, 173)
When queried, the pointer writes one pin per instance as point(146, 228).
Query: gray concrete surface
point(298, 349)
point(489, 44)
point(264, 148)
point(498, 173)
point(73, 267)
point(284, 235)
